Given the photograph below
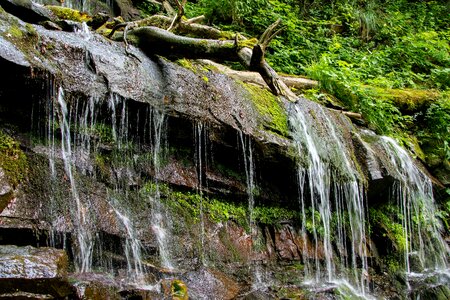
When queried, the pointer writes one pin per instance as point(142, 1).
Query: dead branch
point(154, 40)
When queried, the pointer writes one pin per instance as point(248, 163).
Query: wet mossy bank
point(208, 124)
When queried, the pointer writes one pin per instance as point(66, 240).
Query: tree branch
point(154, 40)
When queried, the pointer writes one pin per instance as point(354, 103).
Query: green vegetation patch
point(269, 106)
point(272, 215)
point(408, 99)
point(434, 132)
point(12, 159)
point(192, 205)
point(388, 219)
point(368, 55)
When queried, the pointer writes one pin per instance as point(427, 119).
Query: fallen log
point(153, 40)
point(293, 82)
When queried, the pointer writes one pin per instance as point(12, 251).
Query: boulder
point(34, 271)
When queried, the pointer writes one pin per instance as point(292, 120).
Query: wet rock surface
point(38, 272)
point(210, 126)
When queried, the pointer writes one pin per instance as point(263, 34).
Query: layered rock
point(119, 108)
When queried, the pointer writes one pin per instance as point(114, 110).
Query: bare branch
point(269, 33)
point(195, 19)
point(173, 22)
point(178, 16)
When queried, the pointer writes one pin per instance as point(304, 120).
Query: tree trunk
point(153, 40)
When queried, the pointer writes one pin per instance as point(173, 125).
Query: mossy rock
point(12, 160)
point(408, 100)
point(272, 114)
point(66, 13)
point(175, 289)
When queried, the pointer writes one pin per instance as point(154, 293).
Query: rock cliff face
point(171, 175)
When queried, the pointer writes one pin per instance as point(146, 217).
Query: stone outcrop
point(211, 123)
point(33, 272)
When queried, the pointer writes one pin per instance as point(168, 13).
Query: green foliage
point(388, 219)
point(314, 222)
point(273, 215)
point(12, 159)
point(192, 205)
point(147, 8)
point(435, 133)
point(444, 212)
point(226, 11)
point(339, 78)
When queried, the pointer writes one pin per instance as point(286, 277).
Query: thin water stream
point(331, 203)
point(201, 161)
point(425, 249)
point(79, 128)
point(81, 221)
point(259, 281)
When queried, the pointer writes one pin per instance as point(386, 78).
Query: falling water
point(159, 218)
point(82, 231)
point(259, 281)
point(421, 228)
point(200, 164)
point(335, 199)
point(132, 247)
point(246, 145)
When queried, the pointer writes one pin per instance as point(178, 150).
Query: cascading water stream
point(83, 233)
point(259, 283)
point(133, 247)
point(349, 198)
point(421, 228)
point(249, 175)
point(159, 218)
point(335, 215)
point(200, 134)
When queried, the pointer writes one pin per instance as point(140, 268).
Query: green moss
point(188, 205)
point(272, 215)
point(66, 13)
point(387, 219)
point(15, 32)
point(226, 35)
point(273, 115)
point(249, 43)
point(187, 64)
point(407, 99)
point(12, 159)
point(24, 37)
point(205, 79)
point(179, 290)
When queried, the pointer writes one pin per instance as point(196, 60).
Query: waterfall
point(421, 229)
point(159, 219)
point(246, 145)
point(132, 247)
point(260, 282)
point(200, 145)
point(81, 134)
point(331, 203)
point(81, 222)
